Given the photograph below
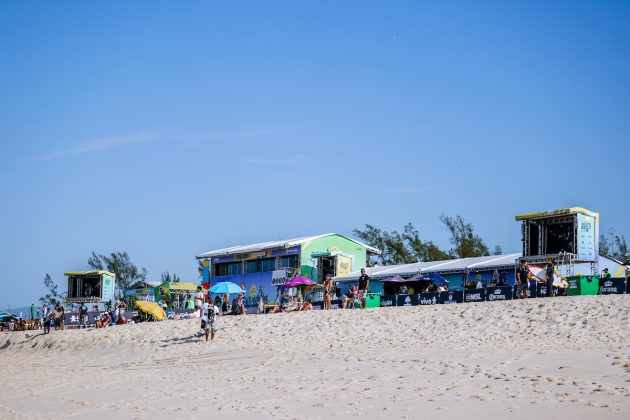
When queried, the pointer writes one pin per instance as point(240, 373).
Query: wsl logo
point(474, 297)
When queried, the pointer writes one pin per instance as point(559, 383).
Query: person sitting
point(306, 306)
point(349, 297)
point(234, 310)
point(403, 290)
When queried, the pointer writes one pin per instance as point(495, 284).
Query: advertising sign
point(499, 293)
point(428, 298)
point(107, 289)
point(612, 286)
point(344, 265)
point(474, 295)
point(586, 238)
point(406, 300)
point(452, 297)
point(388, 300)
point(279, 277)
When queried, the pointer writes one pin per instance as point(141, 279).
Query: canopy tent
point(394, 279)
point(434, 277)
point(182, 288)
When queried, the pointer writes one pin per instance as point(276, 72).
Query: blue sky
point(166, 129)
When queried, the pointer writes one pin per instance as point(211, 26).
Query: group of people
point(357, 294)
point(292, 304)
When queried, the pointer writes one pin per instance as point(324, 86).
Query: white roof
point(475, 264)
point(288, 243)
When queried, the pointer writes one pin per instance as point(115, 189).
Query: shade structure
point(394, 279)
point(434, 277)
point(298, 281)
point(226, 287)
point(151, 308)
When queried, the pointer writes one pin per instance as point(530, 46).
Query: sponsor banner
point(406, 300)
point(334, 304)
point(182, 312)
point(71, 319)
point(428, 298)
point(541, 289)
point(475, 295)
point(612, 286)
point(388, 300)
point(279, 277)
point(452, 297)
point(499, 293)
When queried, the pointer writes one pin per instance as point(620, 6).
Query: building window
point(228, 269)
point(260, 266)
point(290, 261)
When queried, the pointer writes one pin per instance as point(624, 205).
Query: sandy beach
point(540, 358)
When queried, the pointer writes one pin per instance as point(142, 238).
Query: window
point(290, 261)
point(258, 266)
point(228, 269)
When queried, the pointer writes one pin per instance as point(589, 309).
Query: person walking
point(327, 290)
point(209, 311)
point(549, 274)
point(364, 287)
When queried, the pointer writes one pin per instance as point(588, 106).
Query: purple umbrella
point(298, 281)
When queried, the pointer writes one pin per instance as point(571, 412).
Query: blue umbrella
point(434, 277)
point(226, 287)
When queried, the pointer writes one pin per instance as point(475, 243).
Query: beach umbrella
point(226, 287)
point(395, 279)
point(151, 308)
point(299, 281)
point(434, 277)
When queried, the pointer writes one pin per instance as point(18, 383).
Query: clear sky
point(166, 129)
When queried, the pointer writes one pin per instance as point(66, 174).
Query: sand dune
point(550, 358)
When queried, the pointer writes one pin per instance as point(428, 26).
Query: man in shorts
point(199, 298)
point(208, 314)
point(364, 287)
point(522, 277)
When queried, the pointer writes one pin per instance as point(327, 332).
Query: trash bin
point(373, 300)
point(583, 285)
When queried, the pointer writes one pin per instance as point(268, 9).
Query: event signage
point(388, 300)
point(541, 290)
point(586, 238)
point(428, 298)
point(474, 295)
point(71, 319)
point(279, 277)
point(499, 293)
point(406, 300)
point(334, 304)
point(452, 297)
point(612, 286)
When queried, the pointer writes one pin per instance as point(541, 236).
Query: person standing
point(198, 298)
point(364, 287)
point(83, 315)
point(549, 274)
point(47, 318)
point(606, 274)
point(327, 290)
point(522, 277)
point(209, 311)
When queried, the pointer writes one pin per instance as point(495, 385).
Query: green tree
point(120, 264)
point(171, 278)
point(53, 297)
point(613, 245)
point(400, 248)
point(463, 238)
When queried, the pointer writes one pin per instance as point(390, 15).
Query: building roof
point(287, 243)
point(88, 273)
point(475, 264)
point(557, 212)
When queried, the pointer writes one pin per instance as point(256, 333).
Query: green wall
point(336, 245)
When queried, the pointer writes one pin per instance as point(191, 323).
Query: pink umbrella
point(298, 281)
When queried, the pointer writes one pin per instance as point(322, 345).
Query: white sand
point(541, 358)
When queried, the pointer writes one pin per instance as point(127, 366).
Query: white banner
point(279, 277)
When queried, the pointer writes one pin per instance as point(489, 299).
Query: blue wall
point(260, 283)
